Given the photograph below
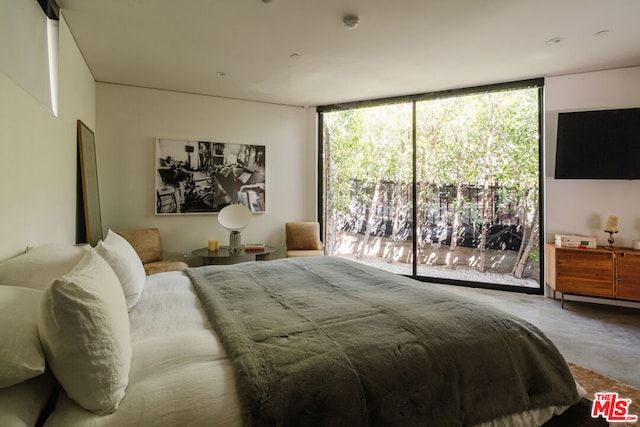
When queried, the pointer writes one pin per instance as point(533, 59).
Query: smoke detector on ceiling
point(350, 21)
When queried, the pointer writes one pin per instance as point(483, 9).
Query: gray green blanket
point(325, 341)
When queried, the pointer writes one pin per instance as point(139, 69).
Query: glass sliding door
point(368, 170)
point(478, 174)
point(466, 166)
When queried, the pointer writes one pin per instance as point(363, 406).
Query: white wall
point(38, 177)
point(38, 152)
point(582, 206)
point(129, 119)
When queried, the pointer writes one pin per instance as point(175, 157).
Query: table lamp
point(611, 227)
point(234, 218)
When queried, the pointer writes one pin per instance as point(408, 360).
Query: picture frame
point(202, 177)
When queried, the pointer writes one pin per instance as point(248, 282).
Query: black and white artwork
point(195, 177)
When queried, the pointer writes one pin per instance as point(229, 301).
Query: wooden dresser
point(601, 272)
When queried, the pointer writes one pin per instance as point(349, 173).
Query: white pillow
point(39, 266)
point(84, 329)
point(126, 263)
point(22, 404)
point(21, 355)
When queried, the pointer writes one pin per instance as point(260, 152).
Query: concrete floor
point(599, 337)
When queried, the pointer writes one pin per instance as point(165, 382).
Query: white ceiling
point(400, 47)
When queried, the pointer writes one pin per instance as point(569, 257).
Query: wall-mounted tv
point(602, 144)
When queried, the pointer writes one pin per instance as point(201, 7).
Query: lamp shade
point(234, 217)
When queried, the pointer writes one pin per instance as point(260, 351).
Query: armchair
point(147, 245)
point(303, 239)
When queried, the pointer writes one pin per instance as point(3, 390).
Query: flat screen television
point(602, 144)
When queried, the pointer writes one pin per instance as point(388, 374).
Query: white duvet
point(180, 374)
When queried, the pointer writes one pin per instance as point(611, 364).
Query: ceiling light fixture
point(220, 73)
point(350, 21)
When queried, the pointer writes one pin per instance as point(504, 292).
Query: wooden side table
point(224, 257)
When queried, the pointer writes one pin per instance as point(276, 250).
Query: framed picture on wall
point(195, 177)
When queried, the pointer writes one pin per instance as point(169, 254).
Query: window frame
point(414, 99)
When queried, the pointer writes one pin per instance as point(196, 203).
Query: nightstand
point(224, 257)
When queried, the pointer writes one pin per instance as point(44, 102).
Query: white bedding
point(180, 374)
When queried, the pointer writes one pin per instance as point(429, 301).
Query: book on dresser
point(572, 241)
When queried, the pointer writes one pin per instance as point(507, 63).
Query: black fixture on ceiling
point(50, 8)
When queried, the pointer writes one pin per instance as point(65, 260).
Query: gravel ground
point(458, 273)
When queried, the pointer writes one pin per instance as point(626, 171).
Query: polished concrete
point(603, 338)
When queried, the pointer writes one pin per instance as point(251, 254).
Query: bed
point(308, 341)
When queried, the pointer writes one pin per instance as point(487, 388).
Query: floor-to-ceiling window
point(442, 186)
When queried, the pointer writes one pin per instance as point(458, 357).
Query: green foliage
point(368, 145)
point(467, 140)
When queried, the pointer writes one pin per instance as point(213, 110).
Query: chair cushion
point(146, 243)
point(296, 254)
point(303, 236)
point(162, 266)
